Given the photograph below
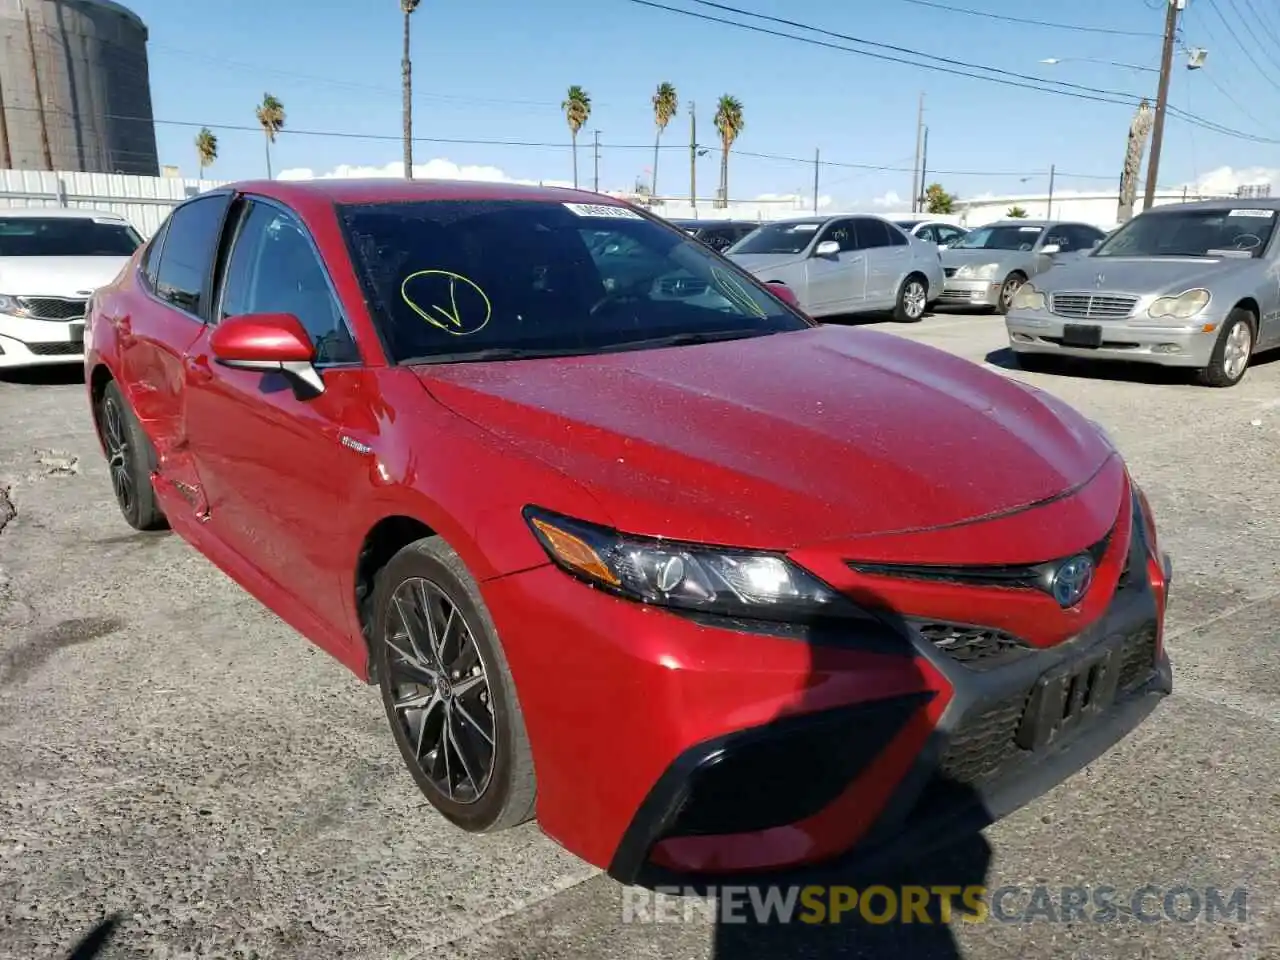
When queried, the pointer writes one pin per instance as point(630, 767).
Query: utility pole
point(924, 166)
point(817, 165)
point(915, 170)
point(1052, 171)
point(597, 160)
point(1162, 100)
point(693, 157)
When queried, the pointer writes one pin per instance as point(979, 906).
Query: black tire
point(1219, 372)
point(1008, 289)
point(130, 461)
point(506, 797)
point(912, 299)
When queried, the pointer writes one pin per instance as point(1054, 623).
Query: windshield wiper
point(489, 353)
point(689, 339)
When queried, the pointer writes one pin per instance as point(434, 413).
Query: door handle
point(198, 369)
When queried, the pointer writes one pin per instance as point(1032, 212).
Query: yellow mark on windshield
point(470, 319)
point(736, 293)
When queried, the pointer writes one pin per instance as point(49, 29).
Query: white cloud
point(888, 200)
point(1225, 180)
point(437, 169)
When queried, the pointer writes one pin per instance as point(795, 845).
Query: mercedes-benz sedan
point(1186, 285)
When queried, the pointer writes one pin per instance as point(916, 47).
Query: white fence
point(144, 201)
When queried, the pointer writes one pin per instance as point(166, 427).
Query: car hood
point(1143, 275)
point(952, 257)
point(755, 262)
point(782, 441)
point(57, 276)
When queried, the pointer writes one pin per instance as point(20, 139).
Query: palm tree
point(271, 116)
point(665, 105)
point(206, 149)
point(407, 7)
point(577, 110)
point(729, 123)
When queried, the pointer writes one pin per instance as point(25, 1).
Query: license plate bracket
point(1069, 697)
point(75, 332)
point(1087, 335)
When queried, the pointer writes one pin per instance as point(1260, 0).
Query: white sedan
point(51, 261)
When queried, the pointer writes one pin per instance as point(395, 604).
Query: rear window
point(66, 237)
point(456, 280)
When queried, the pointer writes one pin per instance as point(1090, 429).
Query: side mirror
point(269, 343)
point(827, 248)
point(1049, 249)
point(784, 293)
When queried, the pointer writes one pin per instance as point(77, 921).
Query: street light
point(1054, 61)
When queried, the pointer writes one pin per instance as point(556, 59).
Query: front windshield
point(451, 280)
point(66, 237)
point(778, 238)
point(1003, 237)
point(1242, 232)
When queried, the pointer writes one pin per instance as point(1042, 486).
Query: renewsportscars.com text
point(935, 904)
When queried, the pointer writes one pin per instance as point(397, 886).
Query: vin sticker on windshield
point(1260, 214)
point(607, 210)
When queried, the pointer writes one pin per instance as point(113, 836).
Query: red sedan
point(628, 543)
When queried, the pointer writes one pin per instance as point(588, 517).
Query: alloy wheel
point(115, 438)
point(1235, 354)
point(1008, 290)
point(440, 686)
point(913, 299)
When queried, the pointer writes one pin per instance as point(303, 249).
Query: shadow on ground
point(1113, 370)
point(52, 375)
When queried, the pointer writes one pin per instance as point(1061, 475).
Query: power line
point(1240, 43)
point(939, 64)
point(460, 141)
point(1079, 28)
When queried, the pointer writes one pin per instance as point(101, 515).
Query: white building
point(1097, 208)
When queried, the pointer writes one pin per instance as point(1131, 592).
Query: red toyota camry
point(628, 543)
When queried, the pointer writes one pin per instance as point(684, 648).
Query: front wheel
point(448, 691)
point(1008, 290)
point(913, 296)
point(1232, 351)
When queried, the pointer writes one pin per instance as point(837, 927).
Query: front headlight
point(11, 306)
point(718, 580)
point(1182, 307)
point(1027, 298)
point(969, 271)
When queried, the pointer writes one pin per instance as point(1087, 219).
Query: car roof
point(1225, 203)
point(58, 213)
point(393, 190)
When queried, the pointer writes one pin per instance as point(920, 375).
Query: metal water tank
point(75, 88)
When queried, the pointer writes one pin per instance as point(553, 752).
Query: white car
point(51, 261)
point(933, 231)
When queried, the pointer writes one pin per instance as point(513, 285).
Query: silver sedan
point(1188, 285)
point(986, 266)
point(845, 264)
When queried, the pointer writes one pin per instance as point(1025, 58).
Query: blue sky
point(498, 69)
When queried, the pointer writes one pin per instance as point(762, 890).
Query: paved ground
point(170, 750)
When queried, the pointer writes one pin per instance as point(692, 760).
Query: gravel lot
point(171, 751)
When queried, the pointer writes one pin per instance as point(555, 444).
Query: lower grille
point(1092, 306)
point(977, 647)
point(63, 349)
point(984, 743)
point(54, 308)
point(1137, 659)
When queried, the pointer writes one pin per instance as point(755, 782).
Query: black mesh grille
point(54, 308)
point(984, 743)
point(978, 647)
point(1138, 658)
point(66, 349)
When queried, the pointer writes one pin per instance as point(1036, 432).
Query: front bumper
point(970, 293)
point(27, 342)
point(1171, 346)
point(670, 750)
